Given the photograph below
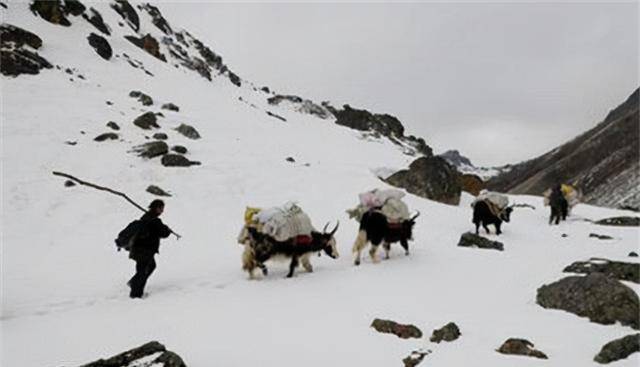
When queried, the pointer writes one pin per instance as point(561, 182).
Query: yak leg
point(551, 216)
point(372, 253)
point(292, 266)
point(498, 231)
point(405, 246)
point(306, 264)
point(477, 227)
point(359, 245)
point(387, 248)
point(486, 227)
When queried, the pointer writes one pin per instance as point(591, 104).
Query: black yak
point(486, 213)
point(375, 228)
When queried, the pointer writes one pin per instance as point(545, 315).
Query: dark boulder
point(52, 11)
point(614, 269)
point(113, 125)
point(470, 239)
point(145, 99)
point(188, 131)
point(19, 37)
point(151, 149)
point(14, 62)
point(155, 190)
point(142, 356)
point(235, 79)
point(177, 160)
point(128, 13)
point(470, 183)
point(149, 44)
point(96, 20)
point(160, 136)
point(157, 19)
point(521, 347)
point(600, 298)
point(415, 358)
point(400, 330)
point(290, 159)
point(364, 120)
point(74, 7)
point(171, 107)
point(633, 254)
point(274, 115)
point(620, 221)
point(600, 236)
point(429, 177)
point(146, 121)
point(448, 333)
point(179, 149)
point(619, 349)
point(106, 136)
point(69, 183)
point(101, 45)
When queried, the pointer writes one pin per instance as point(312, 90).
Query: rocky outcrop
point(100, 45)
point(106, 136)
point(301, 105)
point(179, 149)
point(400, 330)
point(415, 358)
point(177, 160)
point(145, 99)
point(429, 177)
point(17, 52)
point(447, 333)
point(56, 11)
point(601, 299)
point(113, 125)
point(619, 349)
point(473, 240)
point(364, 120)
point(151, 149)
point(147, 121)
point(171, 107)
point(614, 269)
point(156, 190)
point(128, 13)
point(472, 184)
point(188, 131)
point(620, 222)
point(600, 236)
point(19, 37)
point(149, 44)
point(96, 20)
point(152, 353)
point(160, 136)
point(157, 19)
point(521, 347)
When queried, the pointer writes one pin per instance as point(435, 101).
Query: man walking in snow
point(146, 246)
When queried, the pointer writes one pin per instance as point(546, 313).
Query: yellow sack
point(567, 190)
point(249, 213)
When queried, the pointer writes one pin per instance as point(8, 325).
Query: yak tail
point(361, 241)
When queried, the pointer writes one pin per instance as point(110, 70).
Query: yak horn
point(324, 229)
point(416, 216)
point(335, 229)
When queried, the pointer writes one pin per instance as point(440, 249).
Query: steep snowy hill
point(64, 297)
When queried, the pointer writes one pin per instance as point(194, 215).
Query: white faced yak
point(486, 213)
point(375, 228)
point(261, 247)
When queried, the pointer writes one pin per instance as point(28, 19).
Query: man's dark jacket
point(148, 239)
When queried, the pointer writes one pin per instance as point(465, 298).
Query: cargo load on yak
point(281, 223)
point(496, 201)
point(388, 202)
point(570, 193)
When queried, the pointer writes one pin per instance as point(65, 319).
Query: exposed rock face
point(160, 136)
point(429, 177)
point(101, 45)
point(600, 236)
point(177, 160)
point(400, 330)
point(179, 149)
point(301, 105)
point(521, 347)
point(449, 332)
point(19, 37)
point(456, 159)
point(151, 149)
point(473, 240)
point(157, 19)
point(386, 125)
point(620, 221)
point(153, 353)
point(614, 269)
point(619, 349)
point(269, 113)
point(170, 107)
point(56, 11)
point(106, 136)
point(128, 13)
point(146, 121)
point(155, 190)
point(149, 44)
point(15, 58)
point(96, 19)
point(415, 358)
point(113, 125)
point(603, 162)
point(143, 98)
point(472, 184)
point(602, 299)
point(188, 131)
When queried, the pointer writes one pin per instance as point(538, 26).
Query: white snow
point(64, 298)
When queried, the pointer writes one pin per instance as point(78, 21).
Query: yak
point(375, 228)
point(261, 247)
point(485, 213)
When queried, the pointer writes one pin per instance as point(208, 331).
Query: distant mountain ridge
point(464, 165)
point(603, 162)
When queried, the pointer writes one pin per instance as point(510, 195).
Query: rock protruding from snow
point(160, 136)
point(171, 107)
point(149, 44)
point(596, 296)
point(429, 177)
point(620, 221)
point(106, 136)
point(301, 105)
point(15, 58)
point(19, 37)
point(96, 20)
point(615, 269)
point(128, 13)
point(188, 131)
point(472, 184)
point(156, 190)
point(157, 19)
point(177, 160)
point(415, 358)
point(113, 125)
point(56, 11)
point(100, 45)
point(447, 333)
point(521, 347)
point(145, 99)
point(151, 149)
point(146, 121)
point(179, 149)
point(600, 236)
point(619, 349)
point(470, 239)
point(150, 354)
point(400, 330)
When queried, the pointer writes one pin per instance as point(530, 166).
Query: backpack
point(127, 237)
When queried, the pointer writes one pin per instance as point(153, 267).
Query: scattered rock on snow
point(106, 136)
point(160, 136)
point(620, 221)
point(155, 190)
point(521, 347)
point(449, 332)
point(470, 239)
point(171, 107)
point(151, 149)
point(113, 125)
point(177, 160)
point(600, 236)
point(179, 149)
point(96, 19)
point(415, 357)
point(128, 13)
point(290, 159)
point(145, 354)
point(633, 254)
point(19, 37)
point(615, 269)
point(149, 44)
point(602, 299)
point(188, 131)
point(146, 121)
point(429, 177)
point(619, 349)
point(100, 45)
point(69, 183)
point(400, 330)
point(15, 59)
point(53, 11)
point(143, 98)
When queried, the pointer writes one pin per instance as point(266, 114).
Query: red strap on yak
point(394, 225)
point(303, 240)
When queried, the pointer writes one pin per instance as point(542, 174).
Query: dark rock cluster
point(100, 45)
point(147, 121)
point(57, 11)
point(614, 269)
point(620, 221)
point(520, 347)
point(400, 330)
point(149, 44)
point(128, 13)
point(447, 333)
point(136, 356)
point(17, 52)
point(429, 177)
point(473, 240)
point(619, 349)
point(145, 99)
point(188, 131)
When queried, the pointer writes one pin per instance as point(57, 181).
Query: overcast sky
point(501, 82)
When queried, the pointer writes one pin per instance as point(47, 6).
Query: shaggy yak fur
point(482, 214)
point(375, 228)
point(261, 247)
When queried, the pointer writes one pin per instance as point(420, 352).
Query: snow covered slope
point(64, 298)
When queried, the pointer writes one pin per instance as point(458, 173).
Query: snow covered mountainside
point(64, 297)
point(465, 166)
